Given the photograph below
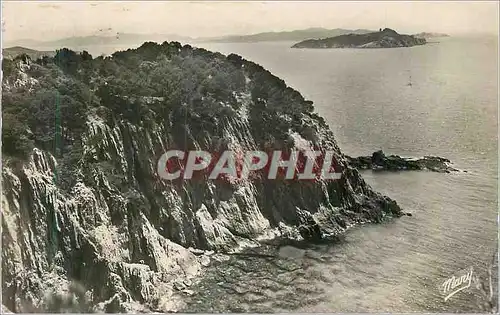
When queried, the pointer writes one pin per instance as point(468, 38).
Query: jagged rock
point(220, 257)
point(196, 251)
point(308, 227)
point(205, 261)
point(379, 161)
point(378, 157)
point(179, 286)
point(188, 292)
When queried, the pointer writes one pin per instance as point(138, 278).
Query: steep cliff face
point(115, 237)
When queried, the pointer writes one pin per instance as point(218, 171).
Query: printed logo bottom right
point(482, 284)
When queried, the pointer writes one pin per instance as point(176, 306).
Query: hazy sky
point(48, 20)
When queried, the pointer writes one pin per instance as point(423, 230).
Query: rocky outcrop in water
point(89, 226)
point(386, 38)
point(379, 161)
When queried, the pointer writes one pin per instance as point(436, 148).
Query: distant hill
point(386, 38)
point(430, 35)
point(92, 40)
point(12, 52)
point(118, 39)
point(296, 35)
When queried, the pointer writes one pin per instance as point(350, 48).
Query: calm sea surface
point(449, 110)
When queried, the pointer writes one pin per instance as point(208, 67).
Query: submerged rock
point(379, 161)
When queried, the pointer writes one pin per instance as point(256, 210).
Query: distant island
point(12, 52)
point(386, 38)
point(427, 35)
point(296, 35)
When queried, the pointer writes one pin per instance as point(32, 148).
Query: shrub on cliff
point(56, 105)
point(16, 138)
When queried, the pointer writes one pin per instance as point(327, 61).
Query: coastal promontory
point(89, 226)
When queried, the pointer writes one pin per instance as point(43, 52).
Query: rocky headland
point(87, 225)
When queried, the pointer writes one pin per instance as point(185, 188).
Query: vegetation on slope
point(168, 83)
